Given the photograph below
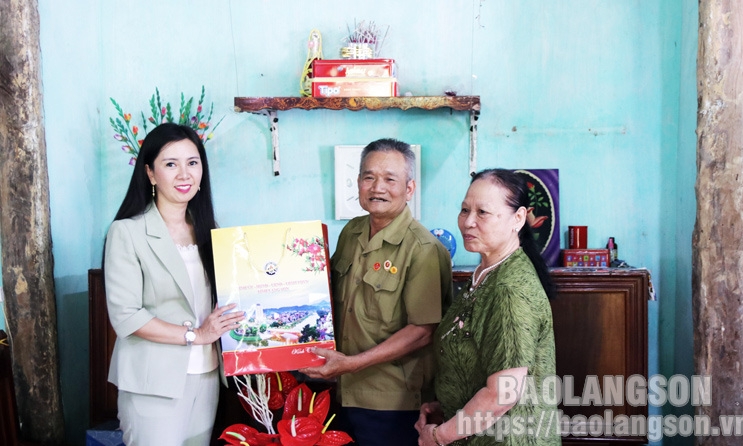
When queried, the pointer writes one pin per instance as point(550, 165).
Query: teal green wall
point(602, 91)
point(675, 319)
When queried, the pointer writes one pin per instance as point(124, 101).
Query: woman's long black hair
point(517, 196)
point(200, 209)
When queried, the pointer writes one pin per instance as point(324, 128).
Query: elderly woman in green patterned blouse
point(495, 346)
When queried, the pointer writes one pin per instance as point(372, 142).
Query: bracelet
point(433, 433)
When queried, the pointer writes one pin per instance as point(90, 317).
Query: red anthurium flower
point(299, 431)
point(334, 438)
point(241, 434)
point(298, 402)
point(302, 420)
point(275, 402)
point(280, 384)
point(530, 185)
point(135, 130)
point(284, 382)
point(140, 141)
point(320, 406)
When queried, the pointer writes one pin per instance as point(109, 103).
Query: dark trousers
point(379, 427)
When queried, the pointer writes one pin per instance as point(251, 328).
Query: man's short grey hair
point(389, 145)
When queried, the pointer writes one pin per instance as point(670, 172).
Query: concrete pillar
point(717, 264)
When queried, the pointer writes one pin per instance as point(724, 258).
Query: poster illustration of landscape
point(278, 275)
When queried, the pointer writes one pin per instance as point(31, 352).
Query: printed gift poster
point(278, 275)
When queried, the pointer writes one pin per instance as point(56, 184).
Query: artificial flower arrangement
point(131, 136)
point(365, 41)
point(303, 414)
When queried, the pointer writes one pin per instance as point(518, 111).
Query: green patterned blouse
point(505, 322)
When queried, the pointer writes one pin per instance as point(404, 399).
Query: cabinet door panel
point(600, 322)
point(589, 335)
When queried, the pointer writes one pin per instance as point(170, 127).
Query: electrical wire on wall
point(234, 50)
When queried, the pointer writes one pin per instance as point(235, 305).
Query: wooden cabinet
point(103, 394)
point(601, 329)
point(8, 408)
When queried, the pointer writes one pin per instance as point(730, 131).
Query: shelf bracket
point(273, 124)
point(273, 117)
point(474, 116)
point(269, 106)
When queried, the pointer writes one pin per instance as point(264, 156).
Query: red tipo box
point(354, 68)
point(354, 78)
point(345, 87)
point(585, 258)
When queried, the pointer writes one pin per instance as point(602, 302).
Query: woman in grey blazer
point(159, 274)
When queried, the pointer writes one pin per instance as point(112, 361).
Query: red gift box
point(353, 68)
point(585, 258)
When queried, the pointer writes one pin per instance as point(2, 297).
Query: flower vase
point(357, 51)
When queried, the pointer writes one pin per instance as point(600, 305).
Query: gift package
point(278, 275)
point(354, 78)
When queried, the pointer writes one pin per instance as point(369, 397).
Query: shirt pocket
point(339, 271)
point(384, 302)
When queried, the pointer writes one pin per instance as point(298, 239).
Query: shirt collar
point(393, 233)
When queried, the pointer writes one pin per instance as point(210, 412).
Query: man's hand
point(406, 340)
point(336, 364)
point(430, 413)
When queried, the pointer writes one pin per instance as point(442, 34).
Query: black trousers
point(379, 427)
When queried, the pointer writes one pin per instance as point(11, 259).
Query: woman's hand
point(425, 438)
point(430, 413)
point(219, 322)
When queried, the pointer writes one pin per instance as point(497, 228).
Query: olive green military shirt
point(401, 276)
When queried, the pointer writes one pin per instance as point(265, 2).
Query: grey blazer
point(146, 278)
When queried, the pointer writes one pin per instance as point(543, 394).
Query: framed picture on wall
point(544, 210)
point(347, 159)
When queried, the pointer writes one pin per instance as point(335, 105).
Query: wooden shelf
point(269, 106)
point(459, 103)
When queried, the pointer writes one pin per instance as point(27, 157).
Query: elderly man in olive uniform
point(391, 281)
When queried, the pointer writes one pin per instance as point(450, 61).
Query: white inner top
point(203, 357)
